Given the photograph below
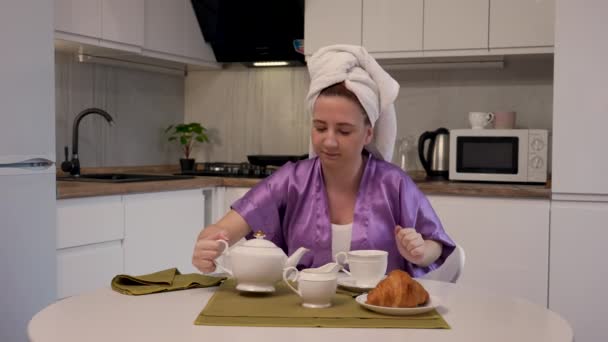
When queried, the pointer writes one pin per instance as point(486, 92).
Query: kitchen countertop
point(72, 189)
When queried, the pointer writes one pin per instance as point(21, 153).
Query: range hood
point(249, 31)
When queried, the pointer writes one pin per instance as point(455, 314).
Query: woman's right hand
point(208, 248)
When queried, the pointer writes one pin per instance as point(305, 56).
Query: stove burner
point(243, 170)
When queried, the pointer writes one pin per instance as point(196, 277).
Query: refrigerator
point(27, 164)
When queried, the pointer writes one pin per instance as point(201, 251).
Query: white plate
point(350, 284)
point(430, 305)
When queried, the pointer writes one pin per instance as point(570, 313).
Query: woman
point(346, 180)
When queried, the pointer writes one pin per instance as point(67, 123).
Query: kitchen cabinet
point(86, 268)
point(100, 237)
point(578, 277)
point(89, 243)
point(173, 32)
point(78, 17)
point(156, 32)
point(392, 25)
point(328, 22)
point(122, 21)
point(232, 195)
point(164, 26)
point(392, 29)
point(86, 221)
point(506, 242)
point(161, 230)
point(521, 23)
point(455, 25)
point(116, 24)
point(222, 198)
point(580, 105)
point(579, 209)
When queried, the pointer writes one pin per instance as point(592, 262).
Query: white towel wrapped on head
point(374, 87)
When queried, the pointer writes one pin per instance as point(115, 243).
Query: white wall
point(142, 104)
point(261, 111)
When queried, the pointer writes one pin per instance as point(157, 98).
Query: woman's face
point(339, 131)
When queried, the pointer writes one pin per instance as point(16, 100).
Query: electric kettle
point(436, 158)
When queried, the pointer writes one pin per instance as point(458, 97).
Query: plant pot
point(187, 165)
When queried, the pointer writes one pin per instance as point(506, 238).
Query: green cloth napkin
point(283, 308)
point(163, 281)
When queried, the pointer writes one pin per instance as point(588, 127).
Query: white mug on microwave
point(480, 120)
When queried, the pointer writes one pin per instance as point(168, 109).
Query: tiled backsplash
point(141, 103)
point(261, 111)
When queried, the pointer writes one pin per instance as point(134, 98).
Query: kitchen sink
point(120, 177)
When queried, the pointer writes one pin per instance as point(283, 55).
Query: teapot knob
point(259, 234)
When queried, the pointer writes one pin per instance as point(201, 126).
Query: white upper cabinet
point(580, 104)
point(165, 30)
point(115, 23)
point(521, 23)
point(392, 25)
point(417, 28)
point(172, 28)
point(81, 17)
point(122, 21)
point(164, 26)
point(328, 22)
point(456, 25)
point(194, 42)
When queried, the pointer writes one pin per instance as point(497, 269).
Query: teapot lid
point(259, 241)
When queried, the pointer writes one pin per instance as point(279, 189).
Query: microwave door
point(492, 155)
point(489, 158)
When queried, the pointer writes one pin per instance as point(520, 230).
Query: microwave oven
point(499, 155)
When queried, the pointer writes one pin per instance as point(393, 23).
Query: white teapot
point(258, 264)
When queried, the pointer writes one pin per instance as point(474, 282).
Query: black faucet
point(73, 166)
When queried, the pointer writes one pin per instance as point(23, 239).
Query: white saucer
point(432, 303)
point(255, 288)
point(350, 284)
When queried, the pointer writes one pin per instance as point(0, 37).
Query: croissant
point(398, 290)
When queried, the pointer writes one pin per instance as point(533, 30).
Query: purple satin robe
point(291, 208)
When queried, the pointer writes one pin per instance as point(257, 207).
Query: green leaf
point(188, 134)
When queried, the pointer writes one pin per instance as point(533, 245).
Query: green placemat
point(228, 307)
point(162, 281)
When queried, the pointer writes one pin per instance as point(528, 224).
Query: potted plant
point(187, 134)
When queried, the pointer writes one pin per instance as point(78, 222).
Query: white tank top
point(341, 235)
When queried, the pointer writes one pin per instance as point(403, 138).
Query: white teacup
point(480, 120)
point(367, 267)
point(315, 288)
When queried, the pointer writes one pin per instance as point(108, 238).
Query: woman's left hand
point(410, 244)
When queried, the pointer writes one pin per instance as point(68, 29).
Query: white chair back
point(451, 269)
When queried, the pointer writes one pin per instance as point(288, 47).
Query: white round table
point(105, 315)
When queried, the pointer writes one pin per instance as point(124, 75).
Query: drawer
point(83, 221)
point(86, 268)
